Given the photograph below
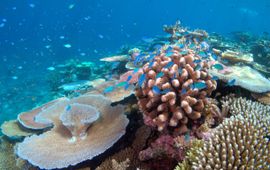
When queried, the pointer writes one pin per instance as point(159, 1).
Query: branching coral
point(57, 149)
point(255, 111)
point(175, 88)
point(238, 143)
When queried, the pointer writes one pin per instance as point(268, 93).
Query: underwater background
point(145, 84)
point(33, 34)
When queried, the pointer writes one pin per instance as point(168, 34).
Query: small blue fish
point(168, 54)
point(151, 57)
point(202, 54)
point(174, 76)
point(68, 108)
point(181, 45)
point(183, 91)
point(121, 84)
point(218, 66)
point(197, 61)
point(156, 90)
point(151, 64)
point(108, 89)
point(160, 74)
point(169, 49)
point(129, 78)
point(215, 57)
point(141, 80)
point(231, 82)
point(126, 86)
point(187, 137)
point(192, 45)
point(198, 67)
point(165, 91)
point(180, 70)
point(215, 78)
point(199, 85)
point(136, 70)
point(184, 52)
point(225, 61)
point(169, 64)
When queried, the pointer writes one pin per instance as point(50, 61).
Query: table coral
point(56, 149)
point(27, 119)
point(13, 130)
point(245, 77)
point(174, 90)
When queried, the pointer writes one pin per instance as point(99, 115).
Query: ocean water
point(35, 35)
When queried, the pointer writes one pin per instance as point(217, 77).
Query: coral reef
point(130, 153)
point(117, 94)
point(238, 143)
point(262, 97)
point(174, 89)
point(235, 57)
point(12, 130)
point(7, 157)
point(27, 119)
point(246, 77)
point(115, 58)
point(255, 111)
point(63, 149)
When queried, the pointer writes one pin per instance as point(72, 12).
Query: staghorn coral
point(178, 103)
point(255, 111)
point(238, 143)
point(63, 151)
point(191, 155)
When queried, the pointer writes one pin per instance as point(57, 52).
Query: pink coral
point(169, 97)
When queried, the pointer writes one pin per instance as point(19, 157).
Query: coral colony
point(169, 102)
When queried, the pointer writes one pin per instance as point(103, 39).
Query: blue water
point(33, 34)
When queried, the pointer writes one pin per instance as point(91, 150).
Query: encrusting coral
point(174, 90)
point(238, 143)
point(255, 111)
point(58, 148)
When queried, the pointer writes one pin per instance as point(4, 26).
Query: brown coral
point(238, 143)
point(178, 101)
